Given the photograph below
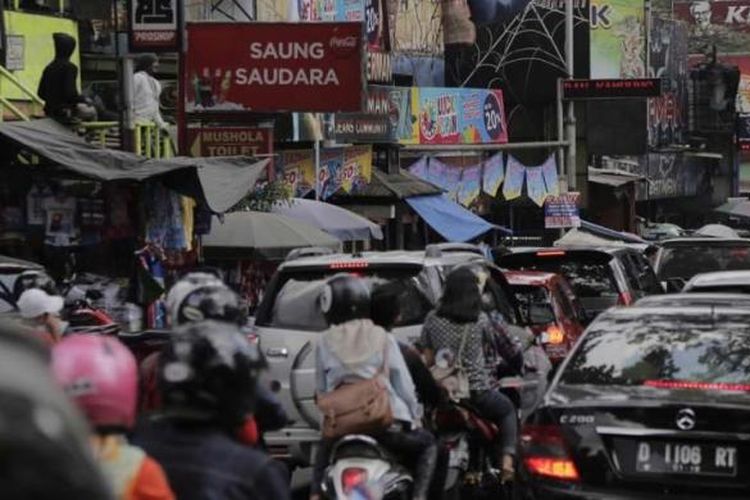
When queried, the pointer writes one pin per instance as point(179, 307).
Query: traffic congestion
point(561, 372)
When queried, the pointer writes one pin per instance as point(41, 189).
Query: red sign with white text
point(274, 67)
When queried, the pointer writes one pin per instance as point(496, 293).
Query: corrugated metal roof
point(396, 186)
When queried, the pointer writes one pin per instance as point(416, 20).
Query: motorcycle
point(83, 316)
point(361, 468)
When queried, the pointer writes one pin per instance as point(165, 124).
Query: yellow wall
point(39, 49)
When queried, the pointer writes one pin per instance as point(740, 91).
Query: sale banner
point(274, 67)
point(562, 212)
point(470, 186)
point(493, 174)
point(330, 172)
point(299, 171)
point(357, 168)
point(515, 176)
point(460, 116)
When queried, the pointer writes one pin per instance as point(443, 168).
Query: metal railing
point(37, 104)
point(151, 141)
point(104, 134)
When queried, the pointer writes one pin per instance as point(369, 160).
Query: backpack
point(451, 375)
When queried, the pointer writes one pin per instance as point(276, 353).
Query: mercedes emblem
point(685, 419)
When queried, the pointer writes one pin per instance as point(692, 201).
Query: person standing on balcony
point(59, 85)
point(146, 91)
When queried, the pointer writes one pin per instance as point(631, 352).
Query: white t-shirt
point(146, 92)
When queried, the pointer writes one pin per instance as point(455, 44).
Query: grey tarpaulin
point(223, 181)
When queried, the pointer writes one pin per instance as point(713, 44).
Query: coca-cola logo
point(343, 46)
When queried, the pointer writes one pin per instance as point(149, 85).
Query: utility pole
point(570, 119)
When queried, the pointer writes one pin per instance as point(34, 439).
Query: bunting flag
point(514, 177)
point(470, 185)
point(535, 185)
point(492, 176)
point(551, 180)
point(419, 168)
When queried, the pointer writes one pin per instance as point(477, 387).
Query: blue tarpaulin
point(449, 219)
point(610, 233)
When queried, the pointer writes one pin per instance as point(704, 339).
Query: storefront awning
point(612, 178)
point(222, 181)
point(452, 221)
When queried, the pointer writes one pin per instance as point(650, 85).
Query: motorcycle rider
point(460, 314)
point(207, 378)
point(99, 374)
point(353, 348)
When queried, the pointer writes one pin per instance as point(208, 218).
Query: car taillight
point(555, 335)
point(624, 299)
point(700, 386)
point(545, 454)
point(550, 253)
point(352, 478)
point(351, 264)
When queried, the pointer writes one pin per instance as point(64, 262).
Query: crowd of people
point(187, 421)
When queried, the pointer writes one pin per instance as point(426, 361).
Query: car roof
point(721, 278)
point(701, 311)
point(529, 278)
point(13, 263)
point(391, 257)
point(696, 299)
point(676, 242)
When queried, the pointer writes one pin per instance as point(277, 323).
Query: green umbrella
point(271, 235)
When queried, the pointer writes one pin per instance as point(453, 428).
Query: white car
point(719, 282)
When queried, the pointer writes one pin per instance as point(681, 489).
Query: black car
point(654, 402)
point(600, 277)
point(681, 259)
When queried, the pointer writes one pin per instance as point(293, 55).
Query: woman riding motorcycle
point(354, 348)
point(459, 320)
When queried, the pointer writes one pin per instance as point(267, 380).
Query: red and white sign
point(230, 141)
point(153, 25)
point(274, 67)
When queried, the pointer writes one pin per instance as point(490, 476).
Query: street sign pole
point(570, 122)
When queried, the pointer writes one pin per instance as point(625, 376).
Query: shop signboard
point(272, 67)
point(362, 127)
point(230, 141)
point(617, 39)
point(561, 211)
point(153, 25)
point(721, 23)
point(460, 116)
point(612, 88)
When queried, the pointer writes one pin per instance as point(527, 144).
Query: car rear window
point(526, 295)
point(589, 273)
point(662, 348)
point(291, 298)
point(686, 261)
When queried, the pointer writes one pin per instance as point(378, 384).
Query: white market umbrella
point(334, 220)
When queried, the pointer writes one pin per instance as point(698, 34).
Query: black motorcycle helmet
point(33, 279)
point(211, 302)
point(344, 298)
point(208, 374)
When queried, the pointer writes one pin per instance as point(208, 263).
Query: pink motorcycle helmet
point(100, 374)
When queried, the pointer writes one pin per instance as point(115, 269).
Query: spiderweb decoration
point(500, 46)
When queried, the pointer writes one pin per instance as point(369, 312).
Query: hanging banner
point(299, 171)
point(274, 67)
point(444, 176)
point(617, 39)
point(514, 178)
point(230, 141)
point(535, 185)
point(357, 168)
point(562, 211)
point(330, 173)
point(724, 24)
point(419, 168)
point(350, 10)
point(493, 174)
point(551, 180)
point(460, 116)
point(153, 25)
point(470, 186)
point(404, 105)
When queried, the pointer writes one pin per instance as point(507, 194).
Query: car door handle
point(277, 352)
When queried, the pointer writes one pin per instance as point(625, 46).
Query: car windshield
point(686, 261)
point(663, 348)
point(526, 296)
point(292, 302)
point(588, 274)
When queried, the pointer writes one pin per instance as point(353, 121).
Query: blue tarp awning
point(610, 233)
point(449, 219)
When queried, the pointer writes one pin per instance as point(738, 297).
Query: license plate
point(655, 457)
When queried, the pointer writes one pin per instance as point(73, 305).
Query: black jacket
point(206, 464)
point(58, 85)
